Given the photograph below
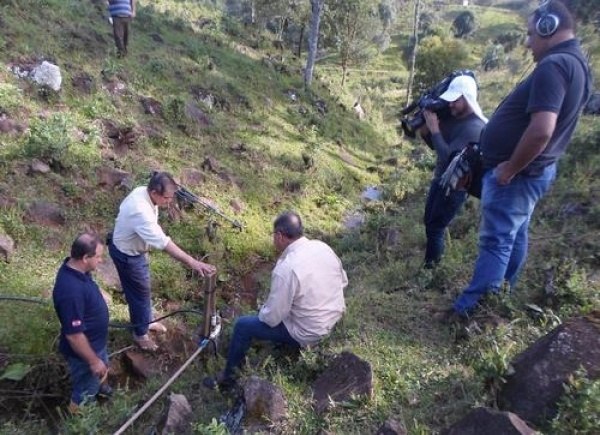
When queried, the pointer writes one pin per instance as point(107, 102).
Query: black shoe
point(218, 382)
point(451, 316)
point(105, 392)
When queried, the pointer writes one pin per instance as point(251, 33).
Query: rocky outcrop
point(346, 376)
point(489, 421)
point(534, 389)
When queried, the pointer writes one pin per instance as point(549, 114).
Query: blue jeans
point(84, 384)
point(247, 328)
point(440, 209)
point(506, 212)
point(134, 274)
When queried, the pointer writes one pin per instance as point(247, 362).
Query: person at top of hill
point(529, 131)
point(305, 302)
point(136, 231)
point(446, 137)
point(121, 12)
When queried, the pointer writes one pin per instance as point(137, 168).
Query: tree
point(316, 8)
point(463, 24)
point(353, 24)
point(413, 53)
point(437, 58)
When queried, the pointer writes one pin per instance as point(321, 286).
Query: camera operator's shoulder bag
point(465, 171)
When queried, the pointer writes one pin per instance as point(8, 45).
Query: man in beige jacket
point(306, 298)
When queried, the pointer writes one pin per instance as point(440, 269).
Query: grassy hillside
point(235, 125)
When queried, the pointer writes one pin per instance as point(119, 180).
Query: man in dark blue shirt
point(83, 316)
point(521, 144)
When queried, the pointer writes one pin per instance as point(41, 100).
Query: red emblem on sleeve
point(76, 323)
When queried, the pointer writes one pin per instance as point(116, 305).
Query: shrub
point(438, 57)
point(463, 24)
point(579, 408)
point(53, 140)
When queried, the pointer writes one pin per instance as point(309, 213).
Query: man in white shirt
point(306, 298)
point(136, 232)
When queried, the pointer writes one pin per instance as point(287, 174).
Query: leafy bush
point(438, 57)
point(463, 24)
point(493, 57)
point(53, 140)
point(579, 408)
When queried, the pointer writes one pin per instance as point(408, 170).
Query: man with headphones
point(520, 145)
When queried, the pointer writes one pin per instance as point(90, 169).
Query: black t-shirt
point(80, 308)
point(561, 84)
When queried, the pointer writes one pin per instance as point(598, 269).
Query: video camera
point(429, 100)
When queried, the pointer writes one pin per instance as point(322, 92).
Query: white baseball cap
point(467, 87)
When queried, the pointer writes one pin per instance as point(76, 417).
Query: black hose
point(130, 325)
point(42, 301)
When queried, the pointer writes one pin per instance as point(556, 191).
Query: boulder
point(489, 421)
point(7, 247)
point(47, 74)
point(264, 401)
point(391, 427)
point(39, 167)
point(140, 364)
point(346, 376)
point(113, 177)
point(541, 370)
point(45, 213)
point(178, 416)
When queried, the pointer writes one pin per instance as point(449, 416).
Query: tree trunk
point(316, 7)
point(413, 55)
point(300, 41)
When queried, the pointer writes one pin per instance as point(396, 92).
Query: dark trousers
point(121, 34)
point(440, 209)
point(134, 273)
point(248, 328)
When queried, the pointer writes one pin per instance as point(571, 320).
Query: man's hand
point(99, 369)
point(504, 173)
point(432, 121)
point(204, 269)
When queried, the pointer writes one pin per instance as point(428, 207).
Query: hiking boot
point(218, 382)
point(145, 343)
point(105, 392)
point(450, 317)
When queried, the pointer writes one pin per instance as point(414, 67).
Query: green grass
point(422, 375)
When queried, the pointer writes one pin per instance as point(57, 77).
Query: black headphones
point(547, 24)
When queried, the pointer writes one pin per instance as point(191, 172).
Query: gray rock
point(47, 74)
point(113, 177)
point(141, 365)
point(489, 421)
point(391, 427)
point(37, 166)
point(541, 370)
point(346, 376)
point(178, 415)
point(7, 246)
point(264, 401)
point(45, 213)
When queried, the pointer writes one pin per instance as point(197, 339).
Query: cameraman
point(446, 137)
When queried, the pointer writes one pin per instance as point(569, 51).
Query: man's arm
point(132, 8)
point(532, 144)
point(180, 255)
point(279, 303)
point(81, 346)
